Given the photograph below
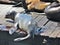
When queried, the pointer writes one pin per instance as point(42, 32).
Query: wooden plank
point(58, 36)
point(39, 18)
point(42, 21)
point(55, 33)
point(4, 9)
point(34, 15)
point(7, 1)
point(50, 28)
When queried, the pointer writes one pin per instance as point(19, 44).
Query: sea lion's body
point(53, 11)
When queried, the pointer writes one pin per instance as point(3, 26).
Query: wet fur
point(53, 12)
point(37, 4)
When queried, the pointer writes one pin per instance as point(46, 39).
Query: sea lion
point(53, 11)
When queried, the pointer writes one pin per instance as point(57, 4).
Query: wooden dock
point(50, 36)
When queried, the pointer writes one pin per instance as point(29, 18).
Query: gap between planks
point(50, 28)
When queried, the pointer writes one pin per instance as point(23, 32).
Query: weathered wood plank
point(39, 18)
point(34, 15)
point(50, 28)
point(42, 21)
point(55, 32)
point(4, 9)
point(7, 1)
point(58, 35)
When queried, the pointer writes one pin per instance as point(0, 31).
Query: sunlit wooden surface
point(53, 28)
